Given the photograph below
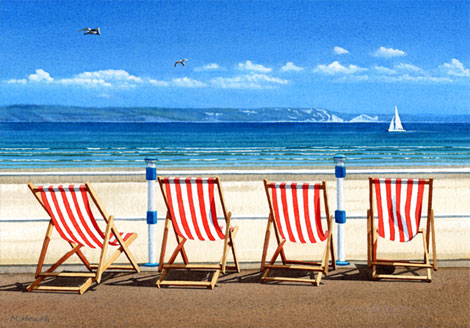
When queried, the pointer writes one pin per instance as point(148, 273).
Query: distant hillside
point(57, 113)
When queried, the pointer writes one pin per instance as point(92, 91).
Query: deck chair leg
point(34, 284)
point(426, 256)
point(317, 280)
point(265, 274)
point(100, 270)
point(266, 243)
point(234, 251)
point(125, 247)
point(162, 276)
point(230, 244)
point(83, 259)
point(164, 242)
point(182, 250)
point(433, 236)
point(277, 252)
point(374, 253)
point(227, 236)
point(85, 286)
point(283, 256)
point(369, 240)
point(176, 251)
point(328, 250)
point(214, 279)
point(45, 245)
point(332, 250)
point(273, 259)
point(64, 258)
point(324, 260)
point(118, 252)
point(172, 259)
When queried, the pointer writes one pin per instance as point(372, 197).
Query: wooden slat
point(116, 267)
point(184, 283)
point(67, 274)
point(193, 266)
point(400, 277)
point(294, 267)
point(310, 281)
point(57, 288)
point(402, 263)
point(302, 262)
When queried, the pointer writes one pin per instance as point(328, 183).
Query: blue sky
point(347, 56)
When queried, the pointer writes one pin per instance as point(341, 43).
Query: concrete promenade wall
point(23, 222)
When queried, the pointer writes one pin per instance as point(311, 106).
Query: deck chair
point(295, 213)
point(71, 215)
point(399, 205)
point(191, 204)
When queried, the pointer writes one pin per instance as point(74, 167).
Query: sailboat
point(395, 123)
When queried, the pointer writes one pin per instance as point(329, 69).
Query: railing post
point(340, 213)
point(151, 176)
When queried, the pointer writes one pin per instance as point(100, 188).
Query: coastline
point(248, 173)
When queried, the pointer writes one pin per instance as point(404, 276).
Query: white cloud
point(248, 81)
point(40, 76)
point(249, 66)
point(110, 75)
point(290, 66)
point(158, 83)
point(104, 78)
point(336, 68)
point(15, 81)
point(186, 82)
point(412, 78)
point(85, 82)
point(389, 52)
point(208, 67)
point(408, 68)
point(385, 70)
point(340, 51)
point(455, 68)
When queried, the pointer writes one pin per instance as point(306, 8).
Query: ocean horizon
point(230, 145)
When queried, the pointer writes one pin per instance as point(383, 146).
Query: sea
point(230, 145)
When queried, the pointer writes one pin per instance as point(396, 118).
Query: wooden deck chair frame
point(95, 271)
point(427, 233)
point(221, 267)
point(321, 268)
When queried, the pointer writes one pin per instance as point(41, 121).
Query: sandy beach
point(346, 298)
point(24, 221)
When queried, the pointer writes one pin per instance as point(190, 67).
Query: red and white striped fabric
point(72, 216)
point(192, 207)
point(297, 211)
point(399, 204)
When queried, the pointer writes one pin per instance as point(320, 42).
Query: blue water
point(37, 145)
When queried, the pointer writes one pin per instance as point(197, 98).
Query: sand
point(346, 298)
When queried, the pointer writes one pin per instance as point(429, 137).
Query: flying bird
point(95, 31)
point(181, 61)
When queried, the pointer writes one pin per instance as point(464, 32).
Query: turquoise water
point(38, 145)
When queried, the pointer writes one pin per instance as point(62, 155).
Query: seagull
point(95, 31)
point(181, 61)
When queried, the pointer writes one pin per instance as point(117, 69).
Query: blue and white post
point(340, 213)
point(151, 176)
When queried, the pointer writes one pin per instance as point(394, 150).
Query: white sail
point(392, 125)
point(398, 125)
point(395, 123)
